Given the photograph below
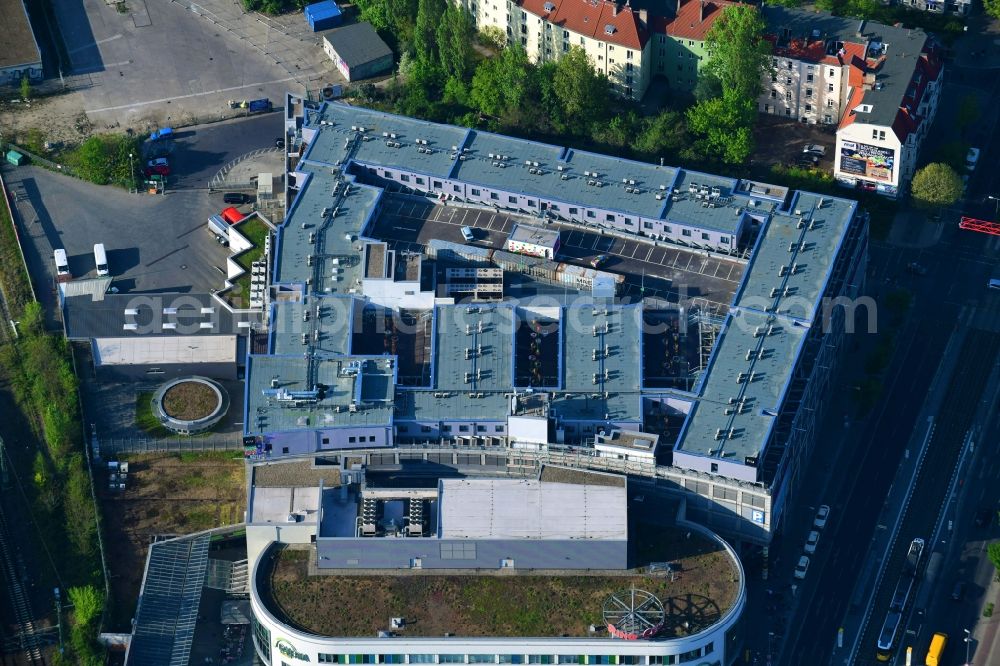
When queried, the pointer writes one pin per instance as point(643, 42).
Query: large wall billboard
point(867, 161)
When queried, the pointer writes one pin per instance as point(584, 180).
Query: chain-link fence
point(111, 446)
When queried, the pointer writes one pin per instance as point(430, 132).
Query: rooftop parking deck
point(516, 604)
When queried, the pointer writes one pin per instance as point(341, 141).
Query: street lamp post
point(131, 167)
point(968, 641)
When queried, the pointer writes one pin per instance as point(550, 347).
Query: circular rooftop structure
point(190, 405)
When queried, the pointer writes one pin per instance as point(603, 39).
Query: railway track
point(27, 640)
point(954, 419)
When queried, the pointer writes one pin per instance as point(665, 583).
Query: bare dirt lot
point(167, 494)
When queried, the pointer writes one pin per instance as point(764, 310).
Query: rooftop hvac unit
point(564, 177)
point(534, 164)
point(305, 338)
point(659, 197)
point(560, 167)
point(386, 134)
point(305, 315)
point(527, 162)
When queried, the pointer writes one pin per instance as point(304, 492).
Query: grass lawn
point(145, 420)
point(520, 605)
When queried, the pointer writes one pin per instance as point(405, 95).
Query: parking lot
point(780, 141)
point(171, 63)
point(650, 269)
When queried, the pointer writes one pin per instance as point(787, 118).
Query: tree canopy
point(936, 185)
point(739, 56)
point(725, 127)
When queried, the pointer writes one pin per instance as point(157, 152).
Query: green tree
point(583, 94)
point(500, 83)
point(739, 56)
point(992, 7)
point(968, 112)
point(993, 552)
point(454, 41)
point(493, 37)
point(723, 125)
point(25, 87)
point(952, 153)
point(375, 12)
point(661, 135)
point(936, 185)
point(429, 15)
point(707, 86)
point(87, 602)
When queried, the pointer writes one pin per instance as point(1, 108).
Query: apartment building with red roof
point(877, 84)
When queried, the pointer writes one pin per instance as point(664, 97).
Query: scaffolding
point(709, 318)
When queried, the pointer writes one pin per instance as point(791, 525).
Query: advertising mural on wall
point(867, 161)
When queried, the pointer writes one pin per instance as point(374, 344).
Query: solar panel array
point(168, 603)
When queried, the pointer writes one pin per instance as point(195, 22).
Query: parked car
point(279, 142)
point(958, 593)
point(158, 170)
point(984, 517)
point(802, 567)
point(468, 234)
point(162, 133)
point(158, 161)
point(822, 515)
point(811, 542)
point(916, 269)
point(972, 159)
point(235, 198)
point(808, 160)
point(814, 149)
point(599, 260)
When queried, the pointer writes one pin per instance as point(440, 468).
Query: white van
point(101, 259)
point(994, 283)
point(62, 264)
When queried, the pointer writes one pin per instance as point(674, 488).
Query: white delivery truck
point(62, 264)
point(218, 227)
point(101, 259)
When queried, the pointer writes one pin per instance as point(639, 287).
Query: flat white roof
point(531, 509)
point(273, 505)
point(143, 350)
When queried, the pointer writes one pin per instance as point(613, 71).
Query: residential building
point(614, 36)
point(960, 7)
point(678, 41)
point(878, 85)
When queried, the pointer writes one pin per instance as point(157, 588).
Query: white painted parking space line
point(649, 253)
point(688, 265)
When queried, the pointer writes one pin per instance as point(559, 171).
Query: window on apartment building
point(685, 232)
point(809, 78)
point(788, 112)
point(437, 184)
point(690, 56)
point(829, 87)
point(388, 174)
point(647, 225)
point(774, 62)
point(628, 55)
point(788, 80)
point(767, 108)
point(628, 80)
point(352, 440)
point(609, 217)
point(446, 428)
point(774, 94)
point(774, 78)
point(498, 428)
point(548, 51)
point(403, 177)
point(680, 68)
point(531, 203)
point(809, 92)
point(457, 188)
point(704, 236)
point(663, 39)
point(475, 192)
point(788, 96)
point(512, 200)
point(463, 428)
point(524, 41)
point(524, 29)
point(832, 72)
point(809, 108)
point(827, 119)
point(565, 34)
point(574, 211)
point(829, 103)
point(424, 428)
point(600, 57)
point(420, 180)
point(480, 428)
point(611, 61)
point(494, 196)
point(524, 16)
point(565, 46)
point(591, 214)
point(788, 64)
point(611, 48)
point(628, 67)
point(582, 42)
point(724, 240)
